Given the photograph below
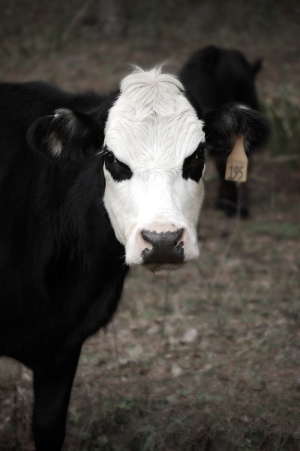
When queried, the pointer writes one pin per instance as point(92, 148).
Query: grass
point(284, 116)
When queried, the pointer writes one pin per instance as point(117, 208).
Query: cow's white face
point(154, 168)
point(153, 160)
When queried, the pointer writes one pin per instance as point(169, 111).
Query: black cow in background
point(214, 77)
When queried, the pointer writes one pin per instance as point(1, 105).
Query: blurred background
point(207, 358)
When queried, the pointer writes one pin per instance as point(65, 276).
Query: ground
point(207, 357)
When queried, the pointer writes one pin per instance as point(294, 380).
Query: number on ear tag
point(237, 162)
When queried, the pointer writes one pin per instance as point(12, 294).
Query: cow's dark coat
point(214, 77)
point(56, 287)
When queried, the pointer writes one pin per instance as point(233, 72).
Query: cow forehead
point(152, 121)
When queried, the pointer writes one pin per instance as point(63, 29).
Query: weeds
point(284, 116)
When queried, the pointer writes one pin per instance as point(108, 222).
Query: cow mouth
point(156, 267)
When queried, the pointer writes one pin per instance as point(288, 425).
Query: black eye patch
point(119, 171)
point(194, 164)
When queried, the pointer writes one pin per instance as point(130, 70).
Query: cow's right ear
point(66, 136)
point(224, 124)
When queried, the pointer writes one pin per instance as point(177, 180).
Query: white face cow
point(152, 148)
point(153, 167)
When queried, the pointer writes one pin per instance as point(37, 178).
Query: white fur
point(243, 107)
point(55, 143)
point(152, 128)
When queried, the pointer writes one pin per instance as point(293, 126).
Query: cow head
point(153, 149)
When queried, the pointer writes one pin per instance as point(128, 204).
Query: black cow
point(90, 185)
point(214, 77)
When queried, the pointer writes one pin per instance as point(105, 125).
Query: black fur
point(56, 286)
point(194, 164)
point(119, 171)
point(224, 124)
point(77, 134)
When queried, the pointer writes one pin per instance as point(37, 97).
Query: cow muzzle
point(164, 250)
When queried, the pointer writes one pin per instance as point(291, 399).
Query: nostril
point(148, 236)
point(179, 244)
point(179, 241)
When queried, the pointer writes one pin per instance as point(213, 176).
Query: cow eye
point(109, 156)
point(118, 170)
point(194, 164)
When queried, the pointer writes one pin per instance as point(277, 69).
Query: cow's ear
point(66, 136)
point(224, 124)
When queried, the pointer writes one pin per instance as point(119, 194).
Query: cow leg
point(227, 195)
point(232, 198)
point(52, 389)
point(243, 200)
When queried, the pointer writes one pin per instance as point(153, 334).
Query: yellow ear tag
point(237, 162)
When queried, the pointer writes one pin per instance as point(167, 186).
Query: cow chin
point(156, 267)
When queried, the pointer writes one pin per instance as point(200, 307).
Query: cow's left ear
point(224, 124)
point(66, 136)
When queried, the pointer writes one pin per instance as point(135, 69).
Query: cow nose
point(167, 247)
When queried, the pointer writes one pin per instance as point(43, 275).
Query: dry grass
point(206, 358)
